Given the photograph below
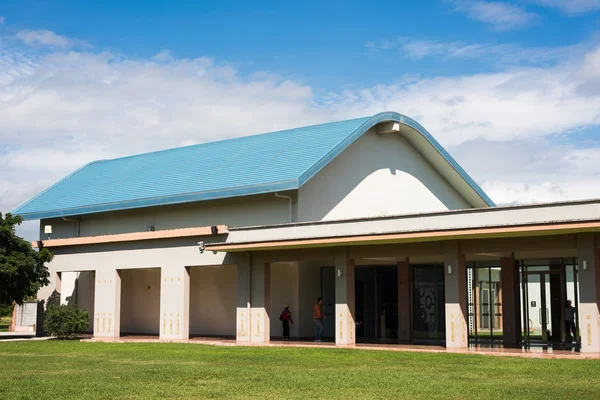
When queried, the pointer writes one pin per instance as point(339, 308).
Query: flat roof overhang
point(413, 237)
point(500, 222)
point(134, 236)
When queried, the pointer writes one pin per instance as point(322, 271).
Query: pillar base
point(260, 332)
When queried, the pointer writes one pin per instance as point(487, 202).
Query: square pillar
point(107, 303)
point(511, 326)
point(344, 300)
point(174, 303)
point(260, 323)
point(455, 285)
point(244, 282)
point(588, 259)
point(403, 302)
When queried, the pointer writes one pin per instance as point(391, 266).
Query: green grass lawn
point(70, 369)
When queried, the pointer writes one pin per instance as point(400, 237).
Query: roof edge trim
point(163, 201)
point(43, 192)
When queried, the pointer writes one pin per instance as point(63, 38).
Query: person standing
point(570, 320)
point(318, 318)
point(286, 320)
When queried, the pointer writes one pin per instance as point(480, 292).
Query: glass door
point(538, 306)
point(429, 313)
point(549, 303)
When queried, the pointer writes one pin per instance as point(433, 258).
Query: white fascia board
point(451, 220)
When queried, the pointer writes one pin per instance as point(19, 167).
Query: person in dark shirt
point(286, 320)
point(570, 321)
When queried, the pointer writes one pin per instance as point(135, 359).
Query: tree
point(22, 269)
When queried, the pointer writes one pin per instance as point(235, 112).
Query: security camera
point(201, 247)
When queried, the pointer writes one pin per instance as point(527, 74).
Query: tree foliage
point(22, 269)
point(65, 321)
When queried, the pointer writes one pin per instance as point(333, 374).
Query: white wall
point(213, 296)
point(128, 255)
point(86, 285)
point(284, 287)
point(140, 301)
point(78, 289)
point(241, 211)
point(68, 292)
point(378, 175)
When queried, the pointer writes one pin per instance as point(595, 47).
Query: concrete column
point(174, 303)
point(403, 302)
point(588, 258)
point(107, 303)
point(456, 296)
point(260, 329)
point(243, 325)
point(510, 302)
point(344, 300)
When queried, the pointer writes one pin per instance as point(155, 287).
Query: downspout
point(73, 220)
point(249, 303)
point(281, 196)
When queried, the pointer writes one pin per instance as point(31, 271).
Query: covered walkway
point(480, 350)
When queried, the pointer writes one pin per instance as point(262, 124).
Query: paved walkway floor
point(534, 352)
point(4, 335)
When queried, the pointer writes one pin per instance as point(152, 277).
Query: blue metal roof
point(270, 162)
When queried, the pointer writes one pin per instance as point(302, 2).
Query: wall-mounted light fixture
point(449, 269)
point(585, 265)
point(48, 230)
point(339, 273)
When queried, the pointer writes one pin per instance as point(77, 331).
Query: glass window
point(484, 302)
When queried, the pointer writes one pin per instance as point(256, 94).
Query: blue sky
point(322, 43)
point(511, 88)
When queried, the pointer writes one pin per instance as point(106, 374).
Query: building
point(372, 214)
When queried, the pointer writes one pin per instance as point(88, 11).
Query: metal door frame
point(543, 317)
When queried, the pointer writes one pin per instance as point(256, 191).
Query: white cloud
point(48, 38)
point(570, 7)
point(63, 110)
point(532, 170)
point(495, 54)
point(508, 105)
point(501, 16)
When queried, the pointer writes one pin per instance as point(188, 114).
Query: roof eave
point(163, 201)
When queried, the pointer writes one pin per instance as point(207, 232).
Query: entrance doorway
point(428, 304)
point(546, 287)
point(376, 302)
